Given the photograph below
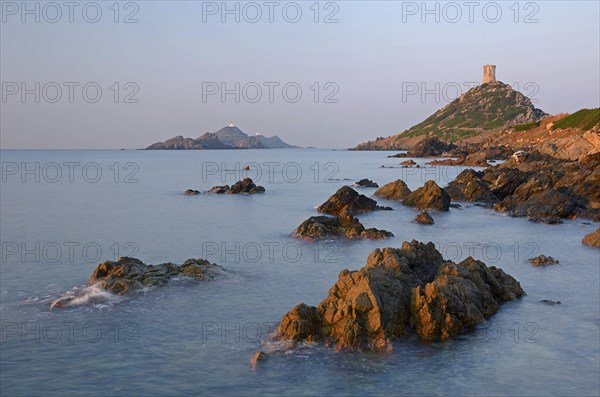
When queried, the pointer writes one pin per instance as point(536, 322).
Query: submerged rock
point(348, 200)
point(191, 192)
point(396, 190)
point(424, 218)
point(401, 290)
point(408, 163)
point(429, 196)
point(366, 183)
point(245, 186)
point(543, 260)
point(592, 238)
point(344, 226)
point(129, 274)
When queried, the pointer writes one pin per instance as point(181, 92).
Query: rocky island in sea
point(230, 137)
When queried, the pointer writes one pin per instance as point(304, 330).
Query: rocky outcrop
point(344, 226)
point(430, 147)
point(348, 200)
point(429, 196)
point(191, 192)
point(538, 186)
point(408, 163)
point(245, 186)
point(366, 183)
point(397, 190)
point(424, 218)
point(399, 291)
point(129, 274)
point(592, 238)
point(543, 260)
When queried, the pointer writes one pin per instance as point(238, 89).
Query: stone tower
point(489, 74)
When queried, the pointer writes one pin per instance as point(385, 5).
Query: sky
point(325, 74)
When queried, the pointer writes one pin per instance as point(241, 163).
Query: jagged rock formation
point(538, 186)
point(342, 205)
point(399, 291)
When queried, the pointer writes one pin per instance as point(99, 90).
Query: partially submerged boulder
point(411, 289)
point(408, 163)
point(350, 201)
point(592, 238)
point(344, 226)
point(245, 186)
point(429, 196)
point(191, 192)
point(424, 218)
point(543, 260)
point(129, 274)
point(366, 183)
point(396, 190)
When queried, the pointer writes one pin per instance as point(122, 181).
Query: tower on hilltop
point(489, 74)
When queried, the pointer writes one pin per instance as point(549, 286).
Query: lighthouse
point(231, 124)
point(489, 74)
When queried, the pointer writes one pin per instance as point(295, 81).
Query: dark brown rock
point(429, 196)
point(399, 290)
point(245, 186)
point(191, 192)
point(408, 163)
point(321, 227)
point(396, 190)
point(366, 183)
point(349, 200)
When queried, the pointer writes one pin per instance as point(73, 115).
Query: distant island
point(230, 137)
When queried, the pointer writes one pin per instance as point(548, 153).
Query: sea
point(65, 211)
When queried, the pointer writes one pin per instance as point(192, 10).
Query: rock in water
point(343, 226)
point(350, 201)
point(429, 196)
point(191, 192)
point(396, 190)
point(366, 183)
point(129, 274)
point(424, 218)
point(592, 239)
point(245, 186)
point(536, 186)
point(401, 289)
point(408, 163)
point(543, 260)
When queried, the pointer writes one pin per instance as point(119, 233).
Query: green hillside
point(584, 119)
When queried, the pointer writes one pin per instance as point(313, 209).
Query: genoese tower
point(489, 74)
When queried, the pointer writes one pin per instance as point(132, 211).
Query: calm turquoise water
point(198, 339)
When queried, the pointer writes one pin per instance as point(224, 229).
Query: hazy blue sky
point(371, 55)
